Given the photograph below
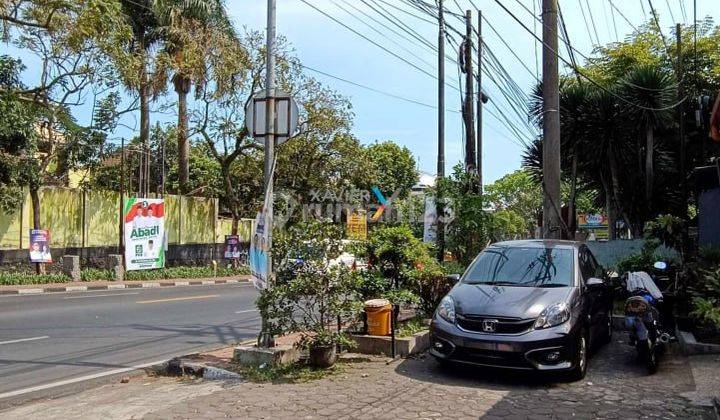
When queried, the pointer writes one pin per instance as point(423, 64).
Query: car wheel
point(580, 358)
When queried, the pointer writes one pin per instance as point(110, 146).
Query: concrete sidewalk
point(81, 286)
point(616, 387)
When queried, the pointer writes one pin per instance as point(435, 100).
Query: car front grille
point(492, 358)
point(474, 323)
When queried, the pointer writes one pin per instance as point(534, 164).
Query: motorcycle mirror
point(453, 277)
point(660, 265)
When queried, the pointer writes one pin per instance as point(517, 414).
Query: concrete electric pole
point(265, 339)
point(551, 123)
point(469, 109)
point(440, 210)
point(478, 147)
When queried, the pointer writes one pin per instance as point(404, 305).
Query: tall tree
point(189, 28)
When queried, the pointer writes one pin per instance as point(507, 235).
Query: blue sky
point(325, 45)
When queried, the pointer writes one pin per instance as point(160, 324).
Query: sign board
point(592, 221)
point(286, 116)
point(357, 225)
point(430, 220)
point(258, 254)
point(232, 247)
point(40, 246)
point(595, 224)
point(144, 220)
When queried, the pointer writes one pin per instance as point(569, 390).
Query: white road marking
point(107, 294)
point(79, 379)
point(246, 311)
point(21, 340)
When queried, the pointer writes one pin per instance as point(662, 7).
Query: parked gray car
point(531, 305)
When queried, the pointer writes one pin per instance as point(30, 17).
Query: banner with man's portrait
point(144, 220)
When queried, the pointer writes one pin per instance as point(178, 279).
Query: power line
point(372, 89)
point(592, 20)
point(667, 2)
point(585, 76)
point(623, 15)
point(399, 57)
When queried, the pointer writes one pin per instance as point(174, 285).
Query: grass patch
point(290, 373)
point(411, 326)
point(95, 274)
point(184, 273)
point(7, 279)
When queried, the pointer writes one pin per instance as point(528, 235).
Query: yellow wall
point(188, 220)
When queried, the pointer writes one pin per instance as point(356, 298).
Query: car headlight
point(553, 315)
point(446, 309)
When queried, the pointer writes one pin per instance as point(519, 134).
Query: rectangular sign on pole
point(258, 254)
point(232, 247)
point(430, 221)
point(357, 225)
point(144, 220)
point(40, 246)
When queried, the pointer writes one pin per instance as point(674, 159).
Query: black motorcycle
point(643, 316)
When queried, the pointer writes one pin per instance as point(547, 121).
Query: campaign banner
point(232, 247)
point(144, 220)
point(258, 254)
point(592, 221)
point(430, 220)
point(40, 246)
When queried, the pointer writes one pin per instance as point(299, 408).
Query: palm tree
point(648, 93)
point(189, 26)
point(141, 16)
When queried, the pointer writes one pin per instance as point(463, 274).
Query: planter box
point(273, 356)
point(690, 345)
point(375, 344)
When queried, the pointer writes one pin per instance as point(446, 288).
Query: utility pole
point(469, 96)
point(121, 248)
point(681, 114)
point(265, 339)
point(440, 210)
point(551, 123)
point(478, 147)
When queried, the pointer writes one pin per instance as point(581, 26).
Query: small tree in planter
point(311, 292)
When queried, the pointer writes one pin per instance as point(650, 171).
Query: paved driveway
point(616, 387)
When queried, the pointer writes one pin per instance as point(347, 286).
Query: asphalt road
point(55, 338)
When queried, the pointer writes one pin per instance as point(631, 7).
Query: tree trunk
point(649, 175)
point(573, 196)
point(619, 208)
point(182, 87)
point(144, 132)
point(609, 206)
point(35, 200)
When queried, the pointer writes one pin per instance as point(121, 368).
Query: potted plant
point(312, 292)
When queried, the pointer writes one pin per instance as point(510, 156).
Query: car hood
point(506, 301)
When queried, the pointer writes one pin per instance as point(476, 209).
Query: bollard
point(214, 267)
point(115, 264)
point(71, 267)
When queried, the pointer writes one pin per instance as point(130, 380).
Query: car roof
point(539, 243)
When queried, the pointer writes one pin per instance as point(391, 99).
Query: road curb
point(143, 285)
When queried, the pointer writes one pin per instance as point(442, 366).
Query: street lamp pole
point(265, 339)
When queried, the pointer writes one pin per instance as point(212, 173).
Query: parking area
point(615, 387)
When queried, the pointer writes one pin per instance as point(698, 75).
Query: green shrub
point(706, 303)
point(95, 274)
point(183, 273)
point(7, 279)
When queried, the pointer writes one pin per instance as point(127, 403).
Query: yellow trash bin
point(378, 313)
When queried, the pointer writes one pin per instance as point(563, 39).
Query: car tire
point(580, 356)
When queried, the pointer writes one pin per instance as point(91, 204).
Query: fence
point(610, 253)
point(84, 219)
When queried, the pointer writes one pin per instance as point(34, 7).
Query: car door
point(606, 295)
point(593, 295)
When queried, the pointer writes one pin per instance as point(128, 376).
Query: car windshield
point(526, 267)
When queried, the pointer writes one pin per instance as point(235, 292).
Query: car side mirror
point(594, 282)
point(660, 265)
point(454, 278)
